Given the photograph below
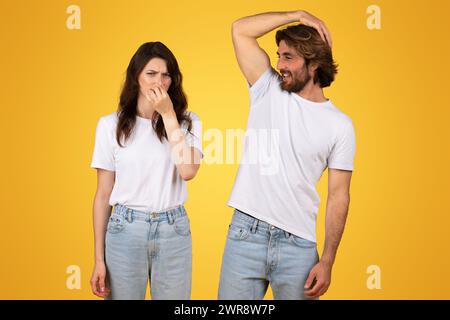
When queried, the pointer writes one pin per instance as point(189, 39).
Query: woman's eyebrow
point(157, 71)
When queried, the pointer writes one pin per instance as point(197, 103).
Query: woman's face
point(154, 74)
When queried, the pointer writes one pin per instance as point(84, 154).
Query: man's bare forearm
point(336, 216)
point(258, 25)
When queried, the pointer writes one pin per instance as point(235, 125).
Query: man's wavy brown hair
point(308, 43)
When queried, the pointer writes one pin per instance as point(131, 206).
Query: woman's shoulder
point(109, 120)
point(193, 116)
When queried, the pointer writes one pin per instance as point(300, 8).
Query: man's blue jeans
point(256, 254)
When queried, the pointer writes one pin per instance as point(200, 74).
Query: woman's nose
point(158, 80)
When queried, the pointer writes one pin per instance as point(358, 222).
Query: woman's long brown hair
point(127, 110)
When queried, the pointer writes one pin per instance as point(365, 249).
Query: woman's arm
point(186, 158)
point(102, 212)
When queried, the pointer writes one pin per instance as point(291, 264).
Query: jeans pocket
point(236, 232)
point(116, 223)
point(182, 226)
point(301, 242)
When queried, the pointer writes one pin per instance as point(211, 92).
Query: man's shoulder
point(339, 116)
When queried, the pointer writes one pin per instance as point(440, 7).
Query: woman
point(143, 154)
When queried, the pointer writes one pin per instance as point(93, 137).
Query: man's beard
point(296, 82)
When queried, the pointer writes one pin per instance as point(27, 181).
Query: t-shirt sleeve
point(343, 152)
point(267, 81)
point(194, 137)
point(103, 157)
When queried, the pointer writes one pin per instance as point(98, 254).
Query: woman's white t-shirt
point(146, 178)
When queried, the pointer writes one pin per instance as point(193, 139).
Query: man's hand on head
point(311, 21)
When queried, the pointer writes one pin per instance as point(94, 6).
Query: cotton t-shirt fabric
point(297, 140)
point(146, 178)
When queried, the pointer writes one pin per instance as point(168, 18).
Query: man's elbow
point(343, 197)
point(236, 28)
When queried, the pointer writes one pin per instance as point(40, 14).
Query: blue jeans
point(143, 246)
point(256, 254)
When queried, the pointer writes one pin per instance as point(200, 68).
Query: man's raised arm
point(253, 60)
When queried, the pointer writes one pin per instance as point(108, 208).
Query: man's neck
point(312, 92)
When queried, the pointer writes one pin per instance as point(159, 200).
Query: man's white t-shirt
point(296, 140)
point(146, 178)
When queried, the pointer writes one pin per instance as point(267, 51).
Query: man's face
point(294, 72)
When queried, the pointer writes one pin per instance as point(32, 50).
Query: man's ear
point(312, 68)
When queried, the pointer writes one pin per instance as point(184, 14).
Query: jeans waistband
point(131, 214)
point(257, 224)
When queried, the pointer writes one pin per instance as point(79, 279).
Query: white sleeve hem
point(341, 167)
point(102, 166)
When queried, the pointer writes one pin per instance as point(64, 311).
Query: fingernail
point(102, 289)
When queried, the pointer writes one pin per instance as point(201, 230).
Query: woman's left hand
point(160, 100)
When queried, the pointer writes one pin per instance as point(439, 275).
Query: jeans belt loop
point(129, 218)
point(254, 226)
point(170, 217)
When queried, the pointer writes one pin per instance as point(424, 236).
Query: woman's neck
point(144, 109)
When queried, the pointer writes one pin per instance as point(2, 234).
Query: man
point(272, 236)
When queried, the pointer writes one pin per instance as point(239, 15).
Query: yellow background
point(57, 82)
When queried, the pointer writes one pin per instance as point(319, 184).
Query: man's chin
point(285, 87)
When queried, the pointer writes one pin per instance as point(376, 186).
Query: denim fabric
point(258, 254)
point(142, 246)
